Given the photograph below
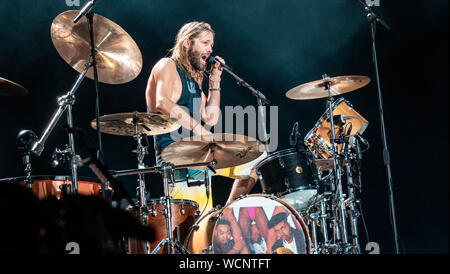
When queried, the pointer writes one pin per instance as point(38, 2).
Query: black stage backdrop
point(275, 46)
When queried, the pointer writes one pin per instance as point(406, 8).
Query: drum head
point(301, 199)
point(260, 224)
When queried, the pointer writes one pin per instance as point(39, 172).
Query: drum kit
point(313, 186)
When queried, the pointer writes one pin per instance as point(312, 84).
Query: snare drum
point(318, 140)
point(254, 224)
point(49, 185)
point(291, 175)
point(184, 215)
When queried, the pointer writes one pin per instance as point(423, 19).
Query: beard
point(194, 58)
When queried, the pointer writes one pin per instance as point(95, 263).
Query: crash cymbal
point(118, 58)
point(11, 89)
point(229, 150)
point(147, 124)
point(338, 85)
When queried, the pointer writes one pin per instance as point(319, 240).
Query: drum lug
point(65, 188)
point(182, 210)
point(258, 173)
point(280, 160)
point(207, 250)
point(195, 227)
point(242, 196)
point(153, 211)
point(215, 218)
point(286, 183)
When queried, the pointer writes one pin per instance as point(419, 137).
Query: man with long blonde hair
point(175, 87)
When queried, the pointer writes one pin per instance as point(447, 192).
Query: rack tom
point(291, 175)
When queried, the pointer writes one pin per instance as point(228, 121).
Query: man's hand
point(253, 174)
point(216, 72)
point(200, 130)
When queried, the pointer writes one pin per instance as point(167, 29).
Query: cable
point(364, 222)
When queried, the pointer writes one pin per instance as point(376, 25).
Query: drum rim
point(49, 178)
point(292, 190)
point(268, 196)
point(173, 202)
point(274, 155)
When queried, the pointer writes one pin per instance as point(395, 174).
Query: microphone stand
point(373, 18)
point(88, 12)
point(261, 101)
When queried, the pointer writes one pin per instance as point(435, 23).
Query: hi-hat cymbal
point(11, 89)
point(118, 57)
point(229, 150)
point(125, 124)
point(338, 85)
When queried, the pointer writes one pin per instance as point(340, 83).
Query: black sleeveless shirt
point(190, 91)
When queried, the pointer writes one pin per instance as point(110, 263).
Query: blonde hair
point(180, 54)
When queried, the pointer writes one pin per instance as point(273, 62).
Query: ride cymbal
point(118, 57)
point(338, 85)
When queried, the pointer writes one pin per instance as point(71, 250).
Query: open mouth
point(204, 58)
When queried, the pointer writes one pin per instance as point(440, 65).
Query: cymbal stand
point(24, 141)
point(141, 151)
point(172, 243)
point(350, 202)
point(167, 170)
point(353, 212)
point(313, 218)
point(341, 231)
point(65, 102)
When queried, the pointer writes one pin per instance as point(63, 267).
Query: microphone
point(212, 59)
point(294, 133)
point(84, 10)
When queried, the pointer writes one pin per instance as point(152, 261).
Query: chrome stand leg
point(353, 213)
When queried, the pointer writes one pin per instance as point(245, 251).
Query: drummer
point(175, 85)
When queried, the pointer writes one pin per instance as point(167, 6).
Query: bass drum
point(254, 224)
point(44, 186)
